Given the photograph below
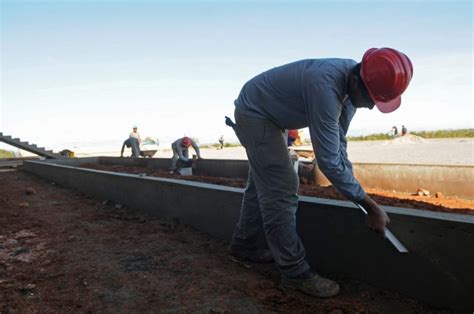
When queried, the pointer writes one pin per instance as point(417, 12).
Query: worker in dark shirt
point(324, 95)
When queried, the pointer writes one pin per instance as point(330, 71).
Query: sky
point(82, 73)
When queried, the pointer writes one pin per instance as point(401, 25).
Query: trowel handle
point(389, 235)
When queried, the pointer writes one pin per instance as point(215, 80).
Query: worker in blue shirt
point(133, 143)
point(324, 95)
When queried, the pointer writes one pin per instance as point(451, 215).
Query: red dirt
point(390, 198)
point(61, 252)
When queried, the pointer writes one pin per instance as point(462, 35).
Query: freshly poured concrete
point(438, 268)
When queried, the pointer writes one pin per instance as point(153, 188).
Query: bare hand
point(376, 218)
point(377, 222)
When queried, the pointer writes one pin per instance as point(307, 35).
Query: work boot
point(311, 284)
point(252, 255)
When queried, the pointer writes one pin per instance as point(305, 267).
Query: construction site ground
point(434, 201)
point(63, 252)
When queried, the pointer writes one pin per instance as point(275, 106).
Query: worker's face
point(135, 130)
point(359, 98)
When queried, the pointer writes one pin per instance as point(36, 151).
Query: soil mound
point(407, 139)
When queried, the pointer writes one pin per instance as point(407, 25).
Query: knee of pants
point(281, 194)
point(280, 211)
point(280, 225)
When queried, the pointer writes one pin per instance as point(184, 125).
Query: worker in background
point(135, 134)
point(133, 143)
point(292, 136)
point(404, 130)
point(393, 132)
point(221, 141)
point(180, 149)
point(323, 94)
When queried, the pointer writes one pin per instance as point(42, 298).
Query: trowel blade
point(389, 235)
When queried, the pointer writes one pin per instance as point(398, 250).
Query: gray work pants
point(270, 196)
point(175, 158)
point(135, 147)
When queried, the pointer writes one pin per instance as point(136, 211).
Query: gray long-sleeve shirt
point(179, 148)
point(310, 93)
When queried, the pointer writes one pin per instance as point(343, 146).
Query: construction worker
point(393, 132)
point(322, 94)
point(221, 141)
point(135, 134)
point(404, 130)
point(180, 149)
point(134, 144)
point(292, 136)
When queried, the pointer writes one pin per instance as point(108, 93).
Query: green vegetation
point(371, 137)
point(424, 134)
point(218, 145)
point(445, 133)
point(6, 154)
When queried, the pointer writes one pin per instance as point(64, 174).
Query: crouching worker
point(180, 149)
point(133, 143)
point(324, 95)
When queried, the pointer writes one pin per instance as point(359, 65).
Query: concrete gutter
point(437, 270)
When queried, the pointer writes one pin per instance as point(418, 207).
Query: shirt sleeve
point(196, 149)
point(328, 126)
point(123, 147)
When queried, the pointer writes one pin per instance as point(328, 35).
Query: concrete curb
point(455, 180)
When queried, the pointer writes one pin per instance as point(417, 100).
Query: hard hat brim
point(390, 106)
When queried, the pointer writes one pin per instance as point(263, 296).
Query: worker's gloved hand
point(376, 218)
point(199, 157)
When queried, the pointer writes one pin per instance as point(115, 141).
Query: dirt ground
point(61, 252)
point(432, 202)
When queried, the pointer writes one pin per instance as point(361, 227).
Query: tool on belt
point(229, 122)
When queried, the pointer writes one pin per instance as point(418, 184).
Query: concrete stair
point(32, 148)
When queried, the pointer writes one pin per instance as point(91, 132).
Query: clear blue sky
point(86, 71)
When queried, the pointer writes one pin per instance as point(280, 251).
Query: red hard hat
point(293, 133)
point(186, 141)
point(386, 73)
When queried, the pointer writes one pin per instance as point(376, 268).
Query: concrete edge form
point(437, 270)
point(455, 180)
